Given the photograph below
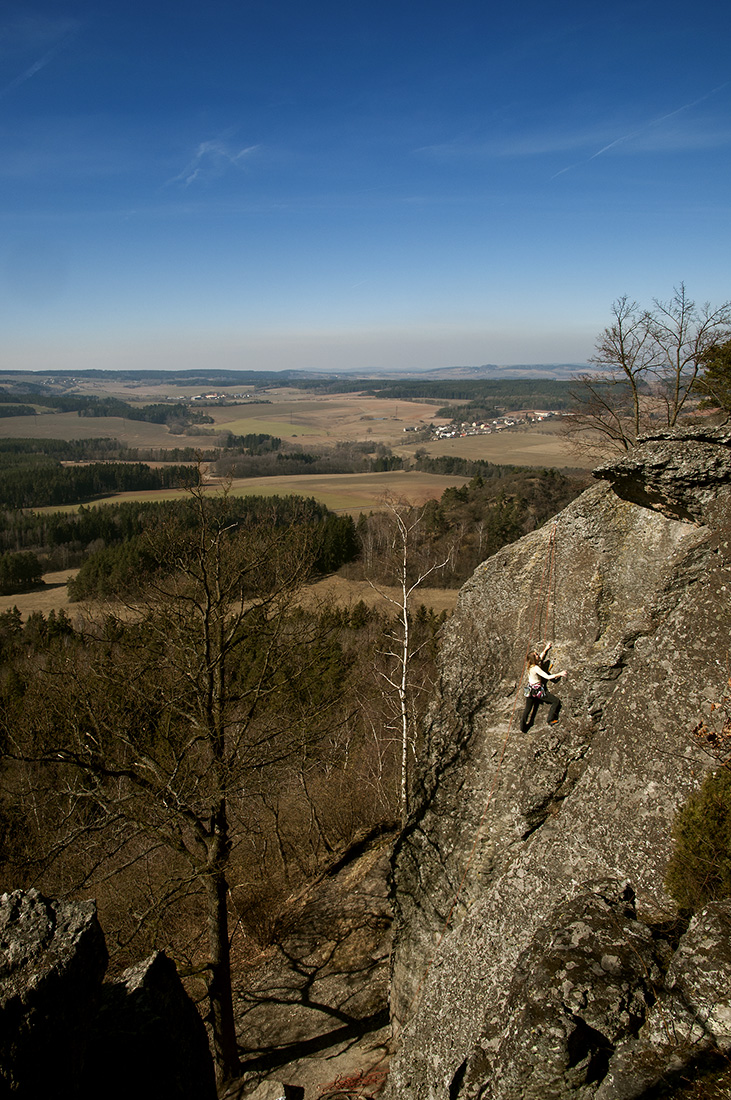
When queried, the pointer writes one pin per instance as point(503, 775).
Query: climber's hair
point(533, 657)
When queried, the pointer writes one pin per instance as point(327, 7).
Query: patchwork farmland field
point(301, 420)
point(354, 493)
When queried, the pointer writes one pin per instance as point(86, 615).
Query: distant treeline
point(356, 458)
point(470, 523)
point(126, 565)
point(17, 410)
point(344, 458)
point(467, 524)
point(63, 538)
point(453, 465)
point(505, 393)
point(193, 377)
point(160, 413)
point(19, 572)
point(110, 538)
point(107, 448)
point(39, 481)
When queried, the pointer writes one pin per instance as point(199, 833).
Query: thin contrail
point(35, 67)
point(641, 129)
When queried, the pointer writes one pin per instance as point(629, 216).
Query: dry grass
point(52, 597)
point(330, 590)
point(135, 433)
point(344, 593)
point(299, 418)
point(328, 420)
point(294, 417)
point(537, 445)
point(354, 493)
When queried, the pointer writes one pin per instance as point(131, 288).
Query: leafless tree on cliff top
point(648, 361)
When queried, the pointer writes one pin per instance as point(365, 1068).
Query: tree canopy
point(715, 381)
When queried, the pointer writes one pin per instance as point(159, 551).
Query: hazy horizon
point(334, 187)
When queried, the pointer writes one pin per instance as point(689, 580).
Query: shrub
point(700, 867)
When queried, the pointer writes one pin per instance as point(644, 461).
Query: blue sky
point(347, 185)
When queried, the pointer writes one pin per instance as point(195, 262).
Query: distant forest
point(108, 540)
point(170, 413)
point(32, 474)
point(38, 481)
point(499, 504)
point(507, 394)
point(504, 393)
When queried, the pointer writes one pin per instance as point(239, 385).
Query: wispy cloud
point(511, 135)
point(650, 130)
point(529, 143)
point(212, 159)
point(44, 37)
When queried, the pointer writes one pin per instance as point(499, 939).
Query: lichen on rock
point(506, 827)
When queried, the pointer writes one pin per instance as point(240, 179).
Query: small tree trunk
point(220, 997)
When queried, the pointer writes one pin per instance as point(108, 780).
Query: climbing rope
point(545, 606)
point(545, 598)
point(547, 595)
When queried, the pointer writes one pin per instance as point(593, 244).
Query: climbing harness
point(546, 601)
point(545, 610)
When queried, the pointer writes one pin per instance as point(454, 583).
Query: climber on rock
point(537, 691)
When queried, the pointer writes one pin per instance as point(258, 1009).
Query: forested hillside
point(192, 758)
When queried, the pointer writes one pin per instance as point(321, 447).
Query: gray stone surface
point(678, 472)
point(699, 975)
point(508, 827)
point(583, 985)
point(52, 961)
point(690, 1022)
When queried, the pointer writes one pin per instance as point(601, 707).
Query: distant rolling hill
point(48, 381)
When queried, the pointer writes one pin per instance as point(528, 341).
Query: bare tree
point(407, 558)
point(175, 708)
point(648, 361)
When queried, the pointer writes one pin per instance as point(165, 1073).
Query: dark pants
point(531, 709)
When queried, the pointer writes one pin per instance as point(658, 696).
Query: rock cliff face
point(499, 865)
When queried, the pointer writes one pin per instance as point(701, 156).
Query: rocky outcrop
point(689, 1025)
point(148, 1029)
point(596, 1012)
point(678, 480)
point(52, 961)
point(65, 1034)
point(632, 584)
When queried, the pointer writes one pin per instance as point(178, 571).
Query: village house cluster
point(222, 398)
point(485, 427)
